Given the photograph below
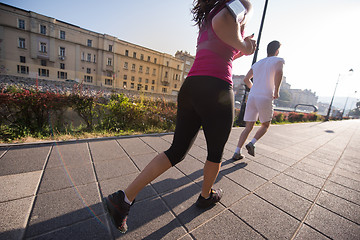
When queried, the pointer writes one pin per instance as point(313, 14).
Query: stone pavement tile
point(121, 183)
point(157, 143)
point(288, 154)
point(63, 208)
point(65, 177)
point(200, 140)
point(192, 167)
point(345, 181)
point(69, 154)
point(323, 171)
point(134, 146)
point(170, 180)
point(285, 200)
point(3, 150)
point(24, 159)
point(114, 168)
point(261, 170)
point(324, 156)
point(347, 174)
point(168, 137)
point(13, 218)
point(262, 149)
point(19, 185)
point(273, 163)
point(182, 203)
point(91, 229)
point(225, 226)
point(343, 192)
point(198, 152)
point(151, 219)
point(296, 186)
point(285, 160)
point(349, 166)
point(317, 163)
point(309, 178)
point(106, 150)
point(233, 192)
point(340, 206)
point(307, 232)
point(244, 178)
point(141, 161)
point(268, 220)
point(331, 224)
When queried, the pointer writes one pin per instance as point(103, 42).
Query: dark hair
point(202, 9)
point(272, 47)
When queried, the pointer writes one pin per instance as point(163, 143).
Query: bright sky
point(320, 39)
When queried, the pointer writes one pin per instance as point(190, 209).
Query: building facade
point(36, 46)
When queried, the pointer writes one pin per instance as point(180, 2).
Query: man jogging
point(267, 76)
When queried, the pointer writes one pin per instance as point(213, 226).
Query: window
point(43, 62)
point(125, 77)
point(94, 58)
point(21, 23)
point(125, 65)
point(133, 67)
point(175, 86)
point(22, 69)
point(152, 88)
point(43, 29)
point(146, 87)
point(154, 72)
point(140, 79)
point(22, 59)
point(62, 52)
point(62, 34)
point(108, 81)
point(88, 70)
point(110, 48)
point(124, 84)
point(126, 52)
point(88, 79)
point(155, 60)
point(43, 72)
point(142, 57)
point(21, 42)
point(146, 80)
point(134, 55)
point(62, 65)
point(62, 75)
point(167, 63)
point(166, 74)
point(89, 43)
point(149, 59)
point(153, 82)
point(147, 70)
point(178, 67)
point(141, 69)
point(132, 85)
point(132, 78)
point(139, 87)
point(42, 47)
point(82, 56)
point(89, 57)
point(164, 90)
point(109, 61)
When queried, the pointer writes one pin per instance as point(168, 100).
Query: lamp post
point(332, 99)
point(247, 90)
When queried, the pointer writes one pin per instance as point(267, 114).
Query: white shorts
point(259, 107)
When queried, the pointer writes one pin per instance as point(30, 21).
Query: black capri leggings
point(208, 102)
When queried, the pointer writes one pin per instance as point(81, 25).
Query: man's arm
point(278, 79)
point(247, 78)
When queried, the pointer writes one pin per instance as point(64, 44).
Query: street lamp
point(247, 90)
point(332, 99)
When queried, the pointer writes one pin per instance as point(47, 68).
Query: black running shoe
point(118, 210)
point(215, 196)
point(251, 149)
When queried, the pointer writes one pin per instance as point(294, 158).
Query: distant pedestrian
point(267, 76)
point(205, 99)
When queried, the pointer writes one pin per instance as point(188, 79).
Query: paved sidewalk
point(304, 183)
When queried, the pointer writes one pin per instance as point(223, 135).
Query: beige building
point(36, 46)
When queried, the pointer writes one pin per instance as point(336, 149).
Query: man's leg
point(259, 133)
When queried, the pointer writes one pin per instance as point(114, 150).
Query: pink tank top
point(213, 56)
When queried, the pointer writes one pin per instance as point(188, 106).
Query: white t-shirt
point(263, 76)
